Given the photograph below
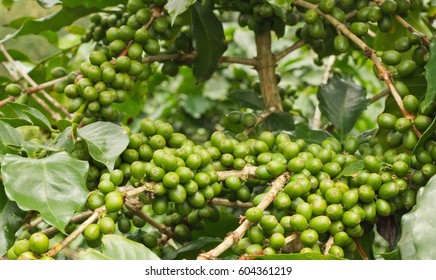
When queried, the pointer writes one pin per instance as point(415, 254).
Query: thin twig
point(7, 100)
point(48, 84)
point(261, 118)
point(412, 29)
point(379, 96)
point(77, 231)
point(137, 212)
point(360, 249)
point(328, 245)
point(289, 50)
point(226, 202)
point(247, 172)
point(238, 233)
point(23, 73)
point(188, 57)
point(316, 124)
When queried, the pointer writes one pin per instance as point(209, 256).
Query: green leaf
point(309, 135)
point(280, 121)
point(64, 141)
point(394, 255)
point(55, 186)
point(209, 41)
point(196, 105)
point(117, 247)
point(418, 227)
point(9, 136)
point(430, 73)
point(106, 141)
point(352, 169)
point(10, 221)
point(285, 4)
point(247, 99)
point(429, 132)
point(30, 114)
point(178, 7)
point(299, 256)
point(192, 249)
point(342, 102)
point(71, 11)
point(8, 3)
point(92, 255)
point(16, 55)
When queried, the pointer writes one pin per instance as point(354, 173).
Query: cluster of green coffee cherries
point(317, 202)
point(123, 39)
point(33, 248)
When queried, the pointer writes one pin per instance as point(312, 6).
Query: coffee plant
point(218, 129)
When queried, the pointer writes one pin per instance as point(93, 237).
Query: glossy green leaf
point(191, 249)
point(418, 227)
point(342, 101)
point(352, 168)
point(30, 114)
point(64, 141)
point(209, 41)
point(280, 121)
point(299, 256)
point(430, 76)
point(106, 141)
point(429, 132)
point(10, 221)
point(309, 135)
point(92, 255)
point(117, 247)
point(71, 11)
point(9, 136)
point(285, 4)
point(55, 186)
point(178, 7)
point(247, 99)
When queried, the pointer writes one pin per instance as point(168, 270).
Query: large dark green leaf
point(117, 247)
point(106, 141)
point(309, 135)
point(429, 132)
point(192, 249)
point(247, 99)
point(430, 76)
point(209, 41)
point(71, 11)
point(178, 7)
point(10, 221)
point(342, 101)
point(55, 186)
point(280, 121)
point(418, 227)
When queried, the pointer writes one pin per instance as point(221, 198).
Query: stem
point(247, 172)
point(23, 74)
point(225, 202)
point(48, 84)
point(289, 49)
point(261, 118)
point(137, 212)
point(328, 245)
point(7, 100)
point(266, 70)
point(188, 57)
point(360, 249)
point(379, 96)
point(316, 124)
point(237, 234)
point(369, 53)
point(77, 231)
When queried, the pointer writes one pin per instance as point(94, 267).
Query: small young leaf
point(342, 102)
point(418, 227)
point(352, 169)
point(55, 186)
point(209, 41)
point(178, 7)
point(106, 141)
